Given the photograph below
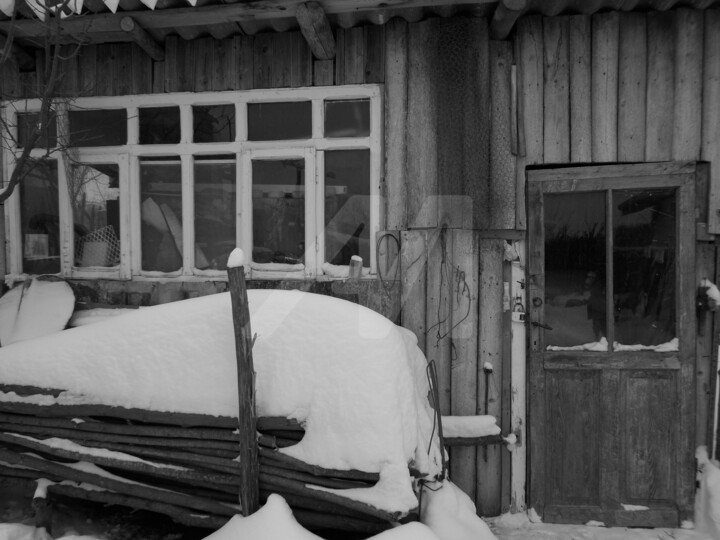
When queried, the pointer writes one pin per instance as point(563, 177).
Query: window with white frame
point(168, 185)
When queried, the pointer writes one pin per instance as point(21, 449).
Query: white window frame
point(128, 158)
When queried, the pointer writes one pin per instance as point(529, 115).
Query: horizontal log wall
point(627, 87)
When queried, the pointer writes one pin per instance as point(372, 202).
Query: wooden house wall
point(449, 187)
point(450, 181)
point(612, 87)
point(628, 87)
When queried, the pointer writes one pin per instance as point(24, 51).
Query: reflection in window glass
point(214, 211)
point(279, 121)
point(159, 125)
point(644, 231)
point(213, 123)
point(575, 268)
point(102, 127)
point(95, 198)
point(347, 206)
point(28, 123)
point(347, 118)
point(278, 211)
point(40, 220)
point(161, 214)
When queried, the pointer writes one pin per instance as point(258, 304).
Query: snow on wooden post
point(249, 469)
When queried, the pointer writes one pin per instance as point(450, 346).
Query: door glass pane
point(40, 219)
point(279, 121)
point(101, 127)
point(278, 211)
point(644, 231)
point(161, 214)
point(575, 270)
point(95, 198)
point(213, 123)
point(347, 206)
point(214, 211)
point(347, 118)
point(159, 125)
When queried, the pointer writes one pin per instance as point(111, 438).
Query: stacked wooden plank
point(184, 466)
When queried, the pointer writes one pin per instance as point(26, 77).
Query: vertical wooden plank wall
point(642, 87)
point(267, 60)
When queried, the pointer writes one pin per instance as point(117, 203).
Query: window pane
point(107, 127)
point(278, 211)
point(214, 211)
point(161, 213)
point(279, 121)
point(644, 229)
point(95, 198)
point(214, 123)
point(40, 219)
point(347, 118)
point(347, 206)
point(159, 125)
point(28, 122)
point(575, 268)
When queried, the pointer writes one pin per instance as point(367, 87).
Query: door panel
point(650, 449)
point(573, 404)
point(612, 349)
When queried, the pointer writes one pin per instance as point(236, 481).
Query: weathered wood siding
point(627, 87)
point(450, 187)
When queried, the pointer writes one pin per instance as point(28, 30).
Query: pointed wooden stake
point(249, 469)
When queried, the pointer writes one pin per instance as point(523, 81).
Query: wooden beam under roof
point(316, 30)
point(142, 38)
point(506, 14)
point(210, 15)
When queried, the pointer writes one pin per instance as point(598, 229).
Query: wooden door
point(612, 343)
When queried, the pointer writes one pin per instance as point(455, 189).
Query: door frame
point(602, 177)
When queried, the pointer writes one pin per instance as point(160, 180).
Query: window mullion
point(315, 212)
point(244, 222)
point(188, 210)
point(65, 214)
point(135, 215)
point(609, 270)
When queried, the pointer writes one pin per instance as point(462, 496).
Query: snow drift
point(351, 377)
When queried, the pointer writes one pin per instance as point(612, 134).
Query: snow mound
point(355, 380)
point(451, 515)
point(274, 520)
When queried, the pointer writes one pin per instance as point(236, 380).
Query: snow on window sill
point(602, 346)
point(341, 271)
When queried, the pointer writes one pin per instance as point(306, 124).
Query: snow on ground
point(519, 527)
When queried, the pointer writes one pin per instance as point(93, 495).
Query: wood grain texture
point(687, 117)
point(502, 161)
point(632, 81)
point(490, 347)
point(439, 309)
point(711, 115)
point(396, 89)
point(556, 95)
point(244, 62)
point(605, 31)
point(413, 274)
point(463, 349)
point(660, 86)
point(580, 88)
point(530, 103)
point(421, 141)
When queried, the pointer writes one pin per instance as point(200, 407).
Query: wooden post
point(249, 469)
